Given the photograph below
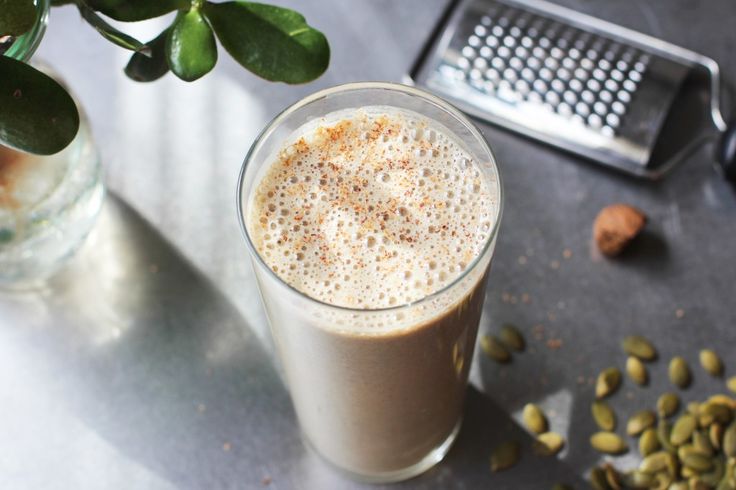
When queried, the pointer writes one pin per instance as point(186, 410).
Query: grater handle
point(726, 152)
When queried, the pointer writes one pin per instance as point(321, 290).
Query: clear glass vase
point(48, 204)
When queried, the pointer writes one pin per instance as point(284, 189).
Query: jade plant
point(37, 115)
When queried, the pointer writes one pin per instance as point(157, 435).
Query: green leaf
point(135, 10)
point(191, 47)
point(142, 68)
point(38, 115)
point(16, 17)
point(273, 42)
point(109, 32)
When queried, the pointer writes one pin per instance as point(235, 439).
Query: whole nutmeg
point(615, 226)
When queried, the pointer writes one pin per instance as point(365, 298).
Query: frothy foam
point(371, 208)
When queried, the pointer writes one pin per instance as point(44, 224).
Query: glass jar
point(48, 204)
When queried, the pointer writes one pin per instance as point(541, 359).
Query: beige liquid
point(371, 209)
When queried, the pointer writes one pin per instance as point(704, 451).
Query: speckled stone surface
point(147, 363)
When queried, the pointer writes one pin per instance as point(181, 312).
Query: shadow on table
point(153, 359)
point(486, 425)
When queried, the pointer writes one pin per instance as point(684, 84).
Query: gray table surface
point(147, 364)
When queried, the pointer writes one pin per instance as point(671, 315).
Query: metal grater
point(567, 79)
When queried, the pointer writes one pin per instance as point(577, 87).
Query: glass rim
point(25, 45)
point(350, 87)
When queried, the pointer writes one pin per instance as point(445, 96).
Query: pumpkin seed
point(711, 362)
point(693, 408)
point(725, 400)
point(494, 349)
point(561, 486)
point(731, 383)
point(715, 435)
point(655, 462)
point(608, 382)
point(678, 485)
point(683, 430)
point(697, 462)
point(701, 442)
point(679, 372)
point(638, 479)
point(637, 371)
point(662, 481)
point(608, 443)
point(639, 422)
point(668, 404)
point(534, 418)
point(505, 455)
point(511, 337)
point(664, 430)
point(603, 415)
point(598, 479)
point(648, 442)
point(697, 484)
point(638, 346)
point(713, 477)
point(729, 441)
point(549, 444)
point(714, 412)
point(613, 477)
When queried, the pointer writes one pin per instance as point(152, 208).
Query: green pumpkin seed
point(494, 349)
point(697, 462)
point(711, 362)
point(697, 484)
point(679, 372)
point(716, 474)
point(711, 412)
point(655, 462)
point(608, 382)
point(683, 430)
point(505, 455)
point(662, 481)
point(701, 442)
point(511, 337)
point(724, 400)
point(639, 422)
point(715, 435)
point(668, 404)
point(638, 346)
point(648, 442)
point(561, 486)
point(549, 444)
point(608, 443)
point(638, 479)
point(678, 485)
point(729, 441)
point(598, 479)
point(693, 408)
point(731, 384)
point(613, 477)
point(637, 371)
point(534, 419)
point(603, 415)
point(664, 431)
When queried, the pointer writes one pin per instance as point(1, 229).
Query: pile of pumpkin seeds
point(696, 451)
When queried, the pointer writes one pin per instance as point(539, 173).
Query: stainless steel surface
point(568, 79)
point(147, 364)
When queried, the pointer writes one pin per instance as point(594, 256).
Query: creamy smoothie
point(365, 210)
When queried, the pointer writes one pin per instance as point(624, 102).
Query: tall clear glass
point(378, 393)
